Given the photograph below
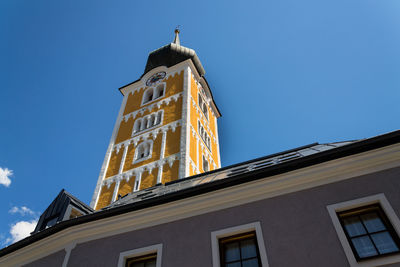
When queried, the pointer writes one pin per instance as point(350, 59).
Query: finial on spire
point(176, 40)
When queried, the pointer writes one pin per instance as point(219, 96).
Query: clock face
point(155, 78)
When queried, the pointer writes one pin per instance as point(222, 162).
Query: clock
point(155, 78)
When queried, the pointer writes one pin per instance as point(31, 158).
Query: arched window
point(159, 116)
point(204, 108)
point(153, 120)
point(136, 127)
point(205, 164)
point(145, 122)
point(159, 91)
point(143, 150)
point(148, 95)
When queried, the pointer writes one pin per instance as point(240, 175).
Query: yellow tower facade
point(166, 127)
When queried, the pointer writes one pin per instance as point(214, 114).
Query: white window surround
point(159, 116)
point(144, 143)
point(204, 135)
point(154, 90)
point(356, 203)
point(255, 226)
point(123, 256)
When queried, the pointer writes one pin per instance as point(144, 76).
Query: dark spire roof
point(173, 54)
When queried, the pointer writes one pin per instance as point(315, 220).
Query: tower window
point(148, 95)
point(143, 150)
point(204, 135)
point(206, 167)
point(160, 91)
point(153, 93)
point(203, 106)
point(147, 122)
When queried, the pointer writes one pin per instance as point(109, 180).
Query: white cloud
point(5, 175)
point(21, 230)
point(21, 210)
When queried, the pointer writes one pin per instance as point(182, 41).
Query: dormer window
point(153, 93)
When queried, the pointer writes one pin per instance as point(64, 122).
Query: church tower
point(166, 127)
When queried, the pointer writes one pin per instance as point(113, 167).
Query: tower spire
point(176, 40)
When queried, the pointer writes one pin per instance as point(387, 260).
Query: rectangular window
point(240, 251)
point(369, 232)
point(142, 261)
point(141, 257)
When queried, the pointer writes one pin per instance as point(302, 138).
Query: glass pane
point(354, 226)
point(150, 263)
point(372, 222)
point(248, 249)
point(232, 252)
point(364, 246)
point(250, 263)
point(384, 242)
point(236, 264)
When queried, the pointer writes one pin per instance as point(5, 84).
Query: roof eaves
point(335, 153)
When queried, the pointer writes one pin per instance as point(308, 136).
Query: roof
point(170, 55)
point(225, 173)
point(58, 208)
point(260, 168)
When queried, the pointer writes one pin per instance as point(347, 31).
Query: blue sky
point(284, 73)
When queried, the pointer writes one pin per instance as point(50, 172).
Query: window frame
point(158, 115)
point(141, 259)
point(383, 218)
point(139, 252)
point(154, 91)
point(238, 230)
point(237, 238)
point(391, 216)
point(146, 142)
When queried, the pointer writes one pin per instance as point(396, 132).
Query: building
point(163, 200)
point(166, 128)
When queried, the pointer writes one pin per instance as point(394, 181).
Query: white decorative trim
point(241, 229)
point(123, 256)
point(149, 108)
point(185, 138)
point(68, 249)
point(217, 143)
point(324, 173)
point(144, 135)
point(107, 157)
point(139, 170)
point(356, 203)
point(194, 167)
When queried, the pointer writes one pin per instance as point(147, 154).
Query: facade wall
point(171, 106)
point(55, 259)
point(296, 227)
point(209, 125)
